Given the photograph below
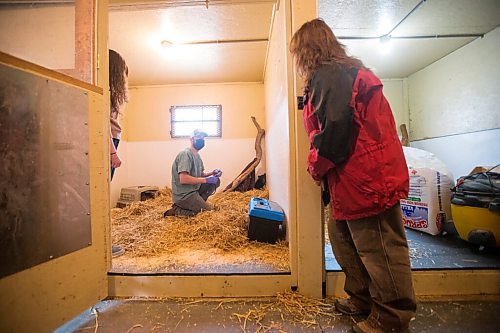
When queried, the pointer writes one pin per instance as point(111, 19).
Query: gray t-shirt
point(185, 161)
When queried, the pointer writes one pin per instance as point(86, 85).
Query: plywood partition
point(41, 298)
point(35, 292)
point(451, 284)
point(85, 40)
point(45, 202)
point(58, 35)
point(280, 129)
point(307, 195)
point(84, 57)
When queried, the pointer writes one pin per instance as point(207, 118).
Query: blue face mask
point(198, 144)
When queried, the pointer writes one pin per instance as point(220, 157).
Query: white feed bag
point(428, 205)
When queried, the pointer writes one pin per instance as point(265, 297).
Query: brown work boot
point(370, 326)
point(173, 211)
point(170, 212)
point(350, 307)
point(116, 251)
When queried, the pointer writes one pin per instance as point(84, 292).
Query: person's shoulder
point(329, 74)
point(184, 153)
point(368, 76)
point(325, 72)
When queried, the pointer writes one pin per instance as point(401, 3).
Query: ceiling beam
point(388, 37)
point(117, 5)
point(217, 41)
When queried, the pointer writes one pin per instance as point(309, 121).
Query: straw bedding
point(287, 311)
point(144, 233)
point(293, 308)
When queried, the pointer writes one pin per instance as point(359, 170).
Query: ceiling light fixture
point(166, 44)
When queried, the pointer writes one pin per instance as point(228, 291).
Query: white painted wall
point(396, 94)
point(277, 119)
point(150, 162)
point(455, 106)
point(459, 93)
point(147, 150)
point(462, 152)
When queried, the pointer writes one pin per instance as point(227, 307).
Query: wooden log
point(405, 140)
point(249, 170)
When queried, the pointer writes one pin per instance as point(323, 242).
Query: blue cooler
point(266, 221)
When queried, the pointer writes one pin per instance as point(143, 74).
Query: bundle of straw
point(142, 231)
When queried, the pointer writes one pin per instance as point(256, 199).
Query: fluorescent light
point(166, 44)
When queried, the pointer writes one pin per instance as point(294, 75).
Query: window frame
point(178, 108)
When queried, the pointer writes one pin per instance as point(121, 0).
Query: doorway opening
point(194, 59)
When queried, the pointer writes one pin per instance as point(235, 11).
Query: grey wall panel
point(44, 170)
point(462, 152)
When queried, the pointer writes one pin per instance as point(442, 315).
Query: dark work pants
point(196, 202)
point(373, 253)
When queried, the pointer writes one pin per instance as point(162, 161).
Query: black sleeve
point(331, 92)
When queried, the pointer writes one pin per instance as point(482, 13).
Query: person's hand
point(217, 172)
point(115, 160)
point(211, 179)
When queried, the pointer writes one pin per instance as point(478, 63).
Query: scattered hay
point(304, 310)
point(293, 308)
point(285, 312)
point(142, 231)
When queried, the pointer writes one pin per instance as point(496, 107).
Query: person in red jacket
point(356, 151)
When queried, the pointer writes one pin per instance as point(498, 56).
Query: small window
point(184, 119)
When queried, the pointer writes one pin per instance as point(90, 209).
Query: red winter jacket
point(354, 143)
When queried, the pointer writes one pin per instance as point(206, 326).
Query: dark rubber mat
point(429, 252)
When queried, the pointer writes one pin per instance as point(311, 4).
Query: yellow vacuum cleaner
point(475, 208)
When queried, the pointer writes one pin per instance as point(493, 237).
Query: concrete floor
point(268, 315)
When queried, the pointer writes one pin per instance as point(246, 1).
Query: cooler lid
point(266, 209)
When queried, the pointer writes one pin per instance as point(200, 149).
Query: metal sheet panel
point(44, 170)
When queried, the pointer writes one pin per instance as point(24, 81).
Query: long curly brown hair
point(313, 44)
point(117, 82)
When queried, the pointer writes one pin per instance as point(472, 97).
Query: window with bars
point(184, 119)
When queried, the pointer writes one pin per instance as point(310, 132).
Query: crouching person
point(191, 185)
